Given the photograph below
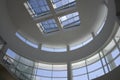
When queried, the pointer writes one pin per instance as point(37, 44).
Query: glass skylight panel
point(48, 26)
point(70, 20)
point(61, 4)
point(37, 7)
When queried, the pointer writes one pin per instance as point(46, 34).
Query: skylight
point(48, 26)
point(70, 20)
point(37, 7)
point(61, 4)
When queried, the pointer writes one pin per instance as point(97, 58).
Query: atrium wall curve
point(36, 53)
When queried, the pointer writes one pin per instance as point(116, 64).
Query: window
point(79, 71)
point(94, 66)
point(62, 4)
point(37, 7)
point(34, 45)
point(59, 73)
point(20, 37)
point(46, 73)
point(82, 77)
point(117, 61)
point(79, 68)
point(12, 54)
point(48, 26)
point(115, 53)
point(96, 74)
point(42, 78)
point(70, 20)
point(59, 79)
point(26, 61)
point(53, 48)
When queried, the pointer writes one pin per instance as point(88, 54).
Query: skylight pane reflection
point(31, 44)
point(70, 20)
point(20, 37)
point(26, 41)
point(37, 7)
point(48, 26)
point(53, 48)
point(63, 3)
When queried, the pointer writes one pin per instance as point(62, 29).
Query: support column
point(87, 70)
point(69, 71)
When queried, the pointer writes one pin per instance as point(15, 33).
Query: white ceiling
point(14, 17)
point(91, 14)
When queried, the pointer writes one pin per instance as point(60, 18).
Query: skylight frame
point(37, 8)
point(63, 4)
point(71, 20)
point(48, 26)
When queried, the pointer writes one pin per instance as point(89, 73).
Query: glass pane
point(12, 54)
point(31, 44)
point(44, 72)
point(59, 73)
point(38, 7)
point(94, 66)
point(26, 41)
point(26, 61)
point(25, 68)
point(83, 77)
point(48, 26)
point(109, 57)
point(63, 3)
point(70, 20)
point(117, 61)
point(96, 74)
point(25, 76)
point(59, 79)
point(115, 52)
point(106, 69)
point(103, 61)
point(79, 71)
point(42, 78)
point(49, 48)
point(20, 37)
